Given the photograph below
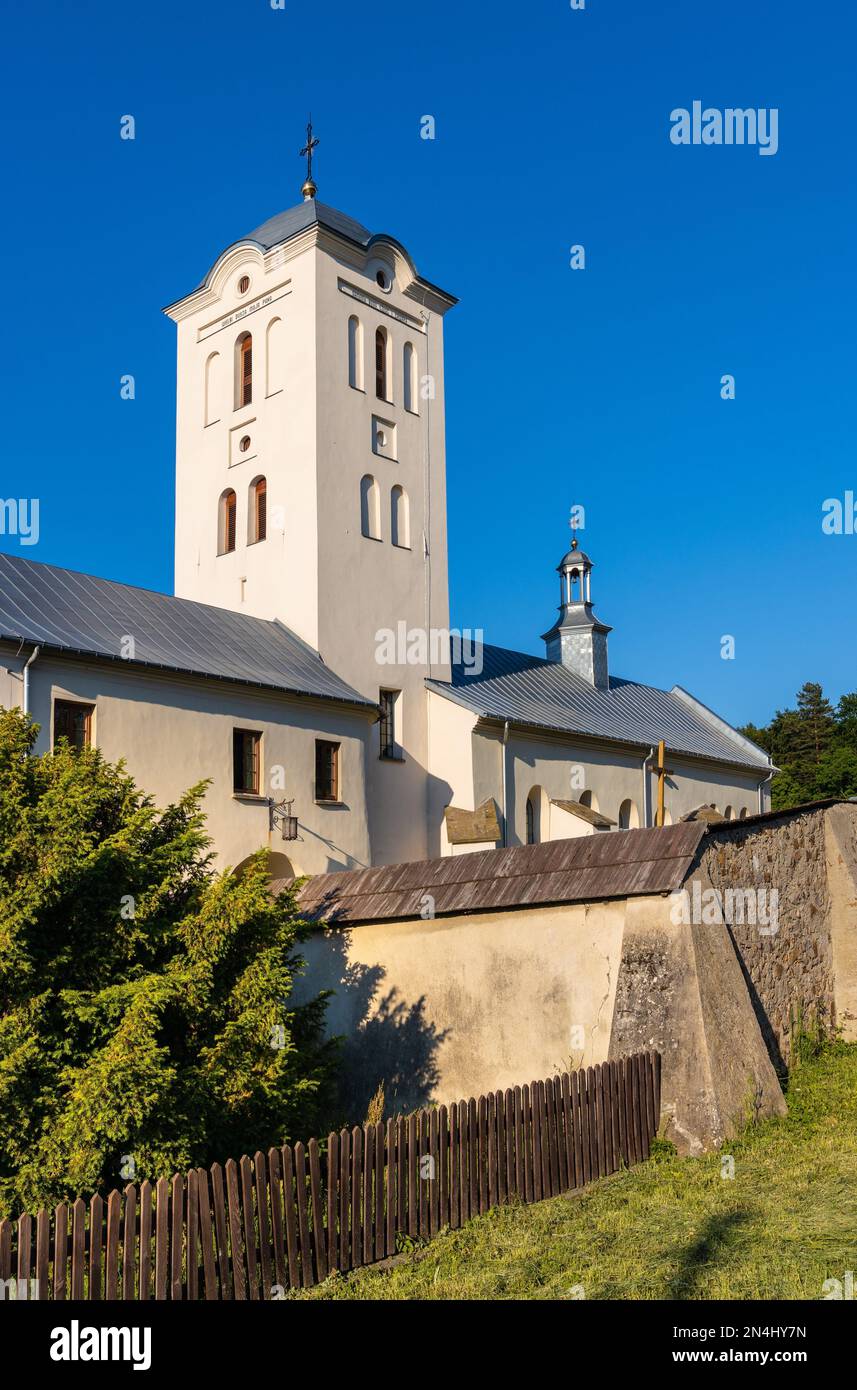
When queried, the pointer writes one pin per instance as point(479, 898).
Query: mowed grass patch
point(673, 1228)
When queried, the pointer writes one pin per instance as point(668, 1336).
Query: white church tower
point(310, 468)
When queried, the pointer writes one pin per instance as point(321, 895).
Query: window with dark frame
point(73, 721)
point(227, 540)
point(261, 501)
point(245, 371)
point(387, 725)
point(326, 770)
point(381, 364)
point(246, 747)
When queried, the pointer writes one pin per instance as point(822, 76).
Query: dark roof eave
point(364, 706)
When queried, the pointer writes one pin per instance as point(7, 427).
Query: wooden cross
point(663, 773)
point(307, 151)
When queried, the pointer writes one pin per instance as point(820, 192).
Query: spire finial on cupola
point(309, 189)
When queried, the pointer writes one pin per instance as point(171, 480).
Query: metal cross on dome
point(309, 188)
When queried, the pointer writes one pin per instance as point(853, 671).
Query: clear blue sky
point(599, 387)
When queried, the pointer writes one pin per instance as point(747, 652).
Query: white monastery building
point(303, 665)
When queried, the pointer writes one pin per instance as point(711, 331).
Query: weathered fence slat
point(129, 1244)
point(176, 1230)
point(249, 1227)
point(332, 1202)
point(145, 1240)
point(114, 1217)
point(162, 1237)
point(302, 1200)
point(319, 1236)
point(221, 1231)
point(43, 1254)
point(265, 1262)
point(236, 1244)
point(291, 1217)
point(368, 1209)
point(206, 1234)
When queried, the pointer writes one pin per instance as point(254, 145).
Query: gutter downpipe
point(505, 744)
point(25, 698)
point(647, 816)
point(764, 782)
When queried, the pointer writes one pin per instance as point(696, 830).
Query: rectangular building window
point(246, 747)
point(73, 721)
point(326, 771)
point(387, 726)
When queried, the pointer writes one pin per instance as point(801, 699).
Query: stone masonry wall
point(791, 970)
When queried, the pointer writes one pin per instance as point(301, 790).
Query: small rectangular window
point(326, 771)
point(246, 747)
point(387, 726)
point(73, 721)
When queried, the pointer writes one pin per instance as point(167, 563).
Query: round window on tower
point(244, 284)
point(244, 444)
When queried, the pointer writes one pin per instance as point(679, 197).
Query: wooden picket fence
point(287, 1219)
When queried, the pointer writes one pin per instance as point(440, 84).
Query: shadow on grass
point(714, 1243)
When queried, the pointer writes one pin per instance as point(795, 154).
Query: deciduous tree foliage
point(145, 1022)
point(815, 746)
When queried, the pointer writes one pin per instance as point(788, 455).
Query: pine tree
point(146, 1023)
point(816, 714)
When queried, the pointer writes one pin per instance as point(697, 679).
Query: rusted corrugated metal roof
point(617, 865)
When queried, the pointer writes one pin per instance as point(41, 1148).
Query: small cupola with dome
point(578, 640)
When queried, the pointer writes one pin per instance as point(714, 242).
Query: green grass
point(671, 1228)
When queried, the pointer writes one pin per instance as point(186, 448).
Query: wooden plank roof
point(621, 864)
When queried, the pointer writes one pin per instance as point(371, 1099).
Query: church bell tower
point(311, 469)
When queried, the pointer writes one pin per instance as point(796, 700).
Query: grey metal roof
point(528, 690)
point(290, 223)
point(65, 611)
point(622, 864)
point(297, 219)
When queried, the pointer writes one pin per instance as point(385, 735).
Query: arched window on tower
point(629, 816)
point(382, 365)
point(274, 357)
point(212, 388)
point(370, 508)
point(411, 379)
point(355, 353)
point(226, 523)
point(400, 520)
point(258, 511)
point(243, 371)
